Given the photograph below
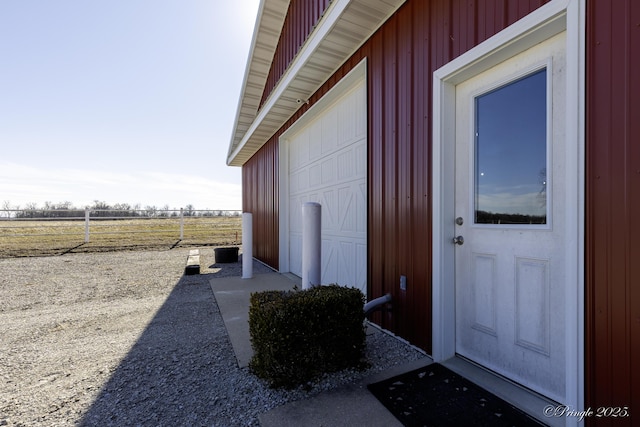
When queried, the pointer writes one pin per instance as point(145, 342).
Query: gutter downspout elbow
point(376, 304)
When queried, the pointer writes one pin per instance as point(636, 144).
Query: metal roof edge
point(333, 17)
point(284, 5)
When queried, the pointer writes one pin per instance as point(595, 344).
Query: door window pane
point(511, 153)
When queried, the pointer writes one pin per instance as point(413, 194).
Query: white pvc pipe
point(247, 245)
point(311, 244)
point(376, 303)
point(87, 213)
point(181, 223)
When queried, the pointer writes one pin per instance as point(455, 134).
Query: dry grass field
point(47, 238)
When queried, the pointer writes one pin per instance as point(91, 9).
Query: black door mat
point(436, 396)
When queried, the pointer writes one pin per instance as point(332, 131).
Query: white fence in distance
point(94, 216)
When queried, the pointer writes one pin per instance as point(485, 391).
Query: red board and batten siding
point(260, 196)
point(613, 207)
point(421, 37)
point(302, 17)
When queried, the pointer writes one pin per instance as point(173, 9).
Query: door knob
point(458, 240)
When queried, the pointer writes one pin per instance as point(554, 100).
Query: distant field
point(44, 237)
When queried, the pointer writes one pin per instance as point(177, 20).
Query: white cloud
point(22, 184)
point(88, 114)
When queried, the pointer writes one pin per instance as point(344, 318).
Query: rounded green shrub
point(297, 336)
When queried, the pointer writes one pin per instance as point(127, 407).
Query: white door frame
point(550, 19)
point(351, 80)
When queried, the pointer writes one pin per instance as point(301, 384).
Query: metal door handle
point(458, 240)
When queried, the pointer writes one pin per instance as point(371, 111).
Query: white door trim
point(351, 80)
point(545, 22)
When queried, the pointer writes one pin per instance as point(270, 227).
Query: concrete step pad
point(193, 263)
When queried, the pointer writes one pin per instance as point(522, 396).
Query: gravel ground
point(123, 338)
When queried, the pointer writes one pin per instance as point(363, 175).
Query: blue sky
point(123, 101)
point(512, 147)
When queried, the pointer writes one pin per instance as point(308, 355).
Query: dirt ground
point(125, 339)
point(68, 322)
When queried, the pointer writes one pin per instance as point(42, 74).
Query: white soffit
point(344, 27)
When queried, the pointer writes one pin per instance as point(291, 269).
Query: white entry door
point(509, 205)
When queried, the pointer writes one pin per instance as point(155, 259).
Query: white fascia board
point(247, 70)
point(332, 15)
point(309, 50)
point(270, 18)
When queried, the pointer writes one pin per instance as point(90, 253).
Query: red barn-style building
point(479, 160)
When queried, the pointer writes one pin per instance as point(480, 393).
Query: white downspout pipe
point(247, 245)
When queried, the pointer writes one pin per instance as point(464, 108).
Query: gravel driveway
point(123, 338)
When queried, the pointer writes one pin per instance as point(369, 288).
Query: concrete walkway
point(352, 405)
point(232, 295)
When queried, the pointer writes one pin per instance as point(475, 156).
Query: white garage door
point(327, 161)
